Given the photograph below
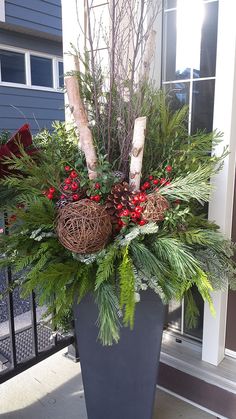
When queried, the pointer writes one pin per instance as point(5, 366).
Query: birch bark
point(137, 152)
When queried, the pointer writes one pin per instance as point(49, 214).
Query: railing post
point(8, 276)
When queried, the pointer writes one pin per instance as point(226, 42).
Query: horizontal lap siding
point(39, 109)
point(40, 15)
point(33, 43)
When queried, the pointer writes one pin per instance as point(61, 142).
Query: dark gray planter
point(120, 381)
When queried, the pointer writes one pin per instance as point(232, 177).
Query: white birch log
point(137, 152)
point(81, 119)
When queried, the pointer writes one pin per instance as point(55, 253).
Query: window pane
point(209, 41)
point(61, 74)
point(12, 66)
point(169, 47)
point(190, 37)
point(170, 4)
point(41, 71)
point(174, 315)
point(203, 105)
point(177, 94)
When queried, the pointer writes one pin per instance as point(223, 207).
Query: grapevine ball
point(83, 227)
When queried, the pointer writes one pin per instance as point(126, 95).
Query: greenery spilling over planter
point(169, 254)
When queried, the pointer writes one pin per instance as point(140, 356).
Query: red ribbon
point(22, 136)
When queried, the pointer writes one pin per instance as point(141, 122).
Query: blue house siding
point(38, 108)
point(38, 15)
point(31, 42)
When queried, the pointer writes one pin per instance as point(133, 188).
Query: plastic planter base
point(120, 380)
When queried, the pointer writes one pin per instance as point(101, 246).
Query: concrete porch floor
point(53, 389)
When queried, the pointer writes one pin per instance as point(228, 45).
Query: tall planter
point(120, 380)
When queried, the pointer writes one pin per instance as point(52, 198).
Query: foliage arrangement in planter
point(158, 237)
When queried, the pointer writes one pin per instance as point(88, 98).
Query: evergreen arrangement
point(160, 237)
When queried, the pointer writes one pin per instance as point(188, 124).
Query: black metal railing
point(20, 349)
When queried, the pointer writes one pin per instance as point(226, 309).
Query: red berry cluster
point(50, 193)
point(71, 184)
point(133, 214)
point(97, 197)
point(154, 184)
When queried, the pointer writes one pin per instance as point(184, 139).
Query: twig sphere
point(155, 207)
point(83, 226)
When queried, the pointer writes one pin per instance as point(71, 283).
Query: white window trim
point(28, 85)
point(2, 11)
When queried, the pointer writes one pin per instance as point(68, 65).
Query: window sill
point(25, 86)
point(186, 357)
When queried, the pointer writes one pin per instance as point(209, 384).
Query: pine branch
point(178, 257)
point(108, 320)
point(195, 185)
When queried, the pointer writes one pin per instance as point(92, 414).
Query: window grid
point(28, 84)
point(190, 80)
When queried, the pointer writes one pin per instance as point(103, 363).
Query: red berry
point(97, 185)
point(163, 181)
point(146, 185)
point(62, 196)
point(67, 168)
point(126, 213)
point(97, 198)
point(134, 214)
point(168, 169)
point(156, 181)
point(142, 197)
point(67, 181)
point(142, 222)
point(143, 188)
point(157, 189)
point(74, 186)
point(50, 195)
point(138, 209)
point(73, 174)
point(66, 187)
point(119, 207)
point(52, 190)
point(177, 201)
point(92, 197)
point(150, 177)
point(121, 223)
point(136, 199)
point(75, 197)
point(167, 183)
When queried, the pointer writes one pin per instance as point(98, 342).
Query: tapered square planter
point(120, 380)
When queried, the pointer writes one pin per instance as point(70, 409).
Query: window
point(188, 74)
point(29, 69)
point(12, 67)
point(41, 71)
point(61, 74)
